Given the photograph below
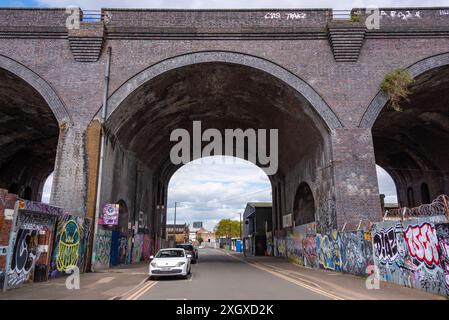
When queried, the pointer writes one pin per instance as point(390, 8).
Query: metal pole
point(241, 226)
point(102, 146)
point(175, 217)
point(12, 238)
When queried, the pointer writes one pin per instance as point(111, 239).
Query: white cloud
point(215, 188)
point(211, 4)
point(386, 185)
point(47, 189)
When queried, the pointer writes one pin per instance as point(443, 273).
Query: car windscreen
point(185, 247)
point(170, 254)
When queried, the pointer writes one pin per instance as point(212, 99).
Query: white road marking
point(105, 280)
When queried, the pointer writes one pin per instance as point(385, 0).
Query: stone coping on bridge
point(226, 19)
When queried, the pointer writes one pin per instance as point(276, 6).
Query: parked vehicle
point(170, 262)
point(190, 249)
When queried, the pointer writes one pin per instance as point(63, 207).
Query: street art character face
point(68, 247)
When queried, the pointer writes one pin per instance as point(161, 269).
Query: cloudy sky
point(220, 187)
point(209, 4)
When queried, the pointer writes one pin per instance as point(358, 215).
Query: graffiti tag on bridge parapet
point(286, 16)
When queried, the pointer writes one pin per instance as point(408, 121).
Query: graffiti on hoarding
point(309, 251)
point(103, 248)
point(40, 207)
point(386, 245)
point(328, 249)
point(356, 252)
point(422, 244)
point(68, 246)
point(24, 257)
point(442, 231)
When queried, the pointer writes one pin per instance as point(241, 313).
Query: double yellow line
point(139, 293)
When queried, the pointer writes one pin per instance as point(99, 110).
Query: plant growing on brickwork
point(396, 85)
point(355, 17)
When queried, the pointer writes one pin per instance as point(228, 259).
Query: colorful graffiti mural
point(356, 252)
point(26, 250)
point(122, 248)
point(309, 251)
point(137, 248)
point(328, 249)
point(70, 246)
point(103, 248)
point(147, 248)
point(442, 231)
point(408, 253)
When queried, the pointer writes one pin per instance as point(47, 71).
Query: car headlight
point(180, 263)
point(154, 264)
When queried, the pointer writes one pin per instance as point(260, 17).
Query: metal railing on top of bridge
point(338, 14)
point(91, 15)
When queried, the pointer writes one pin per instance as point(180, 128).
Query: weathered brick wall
point(38, 40)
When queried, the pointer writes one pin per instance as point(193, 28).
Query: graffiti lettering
point(423, 244)
point(385, 245)
point(24, 257)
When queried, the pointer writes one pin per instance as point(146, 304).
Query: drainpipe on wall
point(102, 146)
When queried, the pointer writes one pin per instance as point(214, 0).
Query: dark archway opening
point(28, 137)
point(412, 145)
point(222, 96)
point(425, 194)
point(304, 206)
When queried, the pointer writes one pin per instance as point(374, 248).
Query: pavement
point(223, 275)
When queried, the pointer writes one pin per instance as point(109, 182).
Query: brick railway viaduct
point(315, 79)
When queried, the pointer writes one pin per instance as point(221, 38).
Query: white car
point(170, 262)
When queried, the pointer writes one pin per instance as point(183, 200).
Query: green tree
point(228, 228)
point(200, 239)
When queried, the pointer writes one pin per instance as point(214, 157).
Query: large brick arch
point(40, 85)
point(318, 104)
point(381, 99)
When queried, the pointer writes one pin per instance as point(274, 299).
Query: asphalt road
point(221, 276)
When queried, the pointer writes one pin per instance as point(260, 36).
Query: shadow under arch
point(381, 99)
point(318, 104)
point(40, 85)
point(411, 145)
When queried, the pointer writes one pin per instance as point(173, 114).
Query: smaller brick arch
point(304, 205)
point(40, 85)
point(381, 99)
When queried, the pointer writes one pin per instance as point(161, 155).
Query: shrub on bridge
point(396, 85)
